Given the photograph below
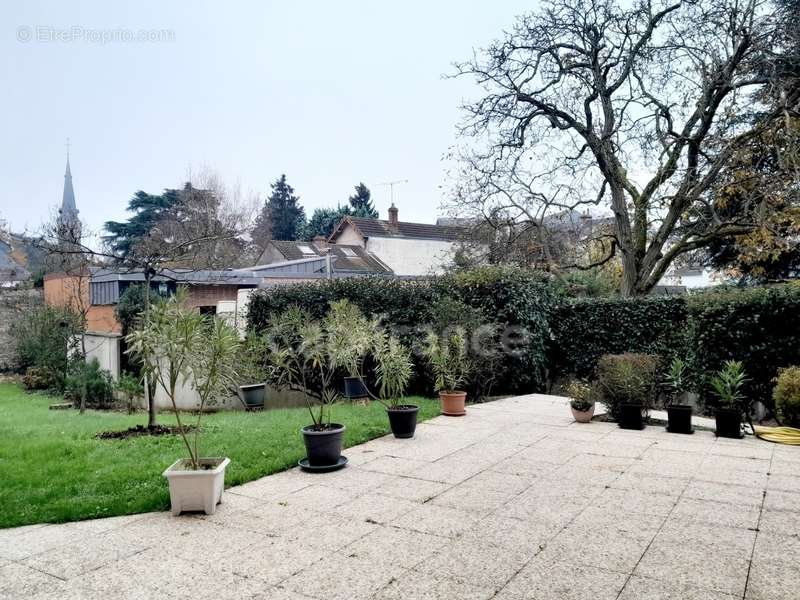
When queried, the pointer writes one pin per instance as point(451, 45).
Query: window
point(306, 249)
point(348, 252)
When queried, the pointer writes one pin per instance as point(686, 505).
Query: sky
point(330, 93)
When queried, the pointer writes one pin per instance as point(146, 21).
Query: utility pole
point(391, 185)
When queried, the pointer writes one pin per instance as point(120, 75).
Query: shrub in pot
point(728, 385)
point(679, 416)
point(626, 384)
point(393, 370)
point(447, 356)
point(177, 346)
point(251, 369)
point(306, 355)
point(787, 396)
point(354, 336)
point(580, 401)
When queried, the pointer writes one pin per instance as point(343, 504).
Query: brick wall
point(12, 304)
point(209, 295)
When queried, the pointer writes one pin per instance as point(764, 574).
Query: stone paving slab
point(514, 501)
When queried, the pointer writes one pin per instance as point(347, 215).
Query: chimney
point(393, 217)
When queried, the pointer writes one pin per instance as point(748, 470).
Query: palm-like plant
point(178, 345)
point(393, 369)
point(728, 384)
point(447, 356)
point(675, 380)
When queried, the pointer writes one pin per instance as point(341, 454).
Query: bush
point(98, 382)
point(517, 300)
point(626, 379)
point(41, 378)
point(787, 396)
point(580, 395)
point(585, 330)
point(43, 338)
point(759, 327)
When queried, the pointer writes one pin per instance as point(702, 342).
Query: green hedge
point(759, 326)
point(585, 330)
point(508, 296)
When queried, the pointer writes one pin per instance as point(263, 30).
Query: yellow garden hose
point(779, 435)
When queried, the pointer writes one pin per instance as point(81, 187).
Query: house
point(408, 249)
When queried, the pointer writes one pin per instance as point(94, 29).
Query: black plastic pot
point(729, 422)
point(323, 447)
point(631, 416)
point(403, 420)
point(354, 388)
point(253, 395)
point(679, 418)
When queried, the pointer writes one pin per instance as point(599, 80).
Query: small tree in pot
point(306, 356)
point(626, 384)
point(581, 402)
point(393, 371)
point(447, 356)
point(352, 336)
point(728, 385)
point(679, 416)
point(178, 347)
point(251, 388)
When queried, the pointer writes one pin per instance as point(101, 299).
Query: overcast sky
point(331, 93)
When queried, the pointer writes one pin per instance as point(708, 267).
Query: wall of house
point(13, 304)
point(350, 237)
point(209, 295)
point(412, 256)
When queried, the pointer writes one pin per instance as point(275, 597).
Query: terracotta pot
point(453, 403)
point(196, 490)
point(583, 416)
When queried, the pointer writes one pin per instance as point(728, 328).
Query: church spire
point(68, 222)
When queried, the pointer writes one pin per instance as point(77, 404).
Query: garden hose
point(779, 435)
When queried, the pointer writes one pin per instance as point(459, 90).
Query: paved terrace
point(512, 501)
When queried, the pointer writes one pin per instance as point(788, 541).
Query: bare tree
point(198, 227)
point(635, 108)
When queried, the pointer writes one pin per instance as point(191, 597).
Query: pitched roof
point(344, 257)
point(381, 228)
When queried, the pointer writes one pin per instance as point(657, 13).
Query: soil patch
point(141, 430)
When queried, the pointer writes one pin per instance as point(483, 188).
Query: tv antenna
point(391, 185)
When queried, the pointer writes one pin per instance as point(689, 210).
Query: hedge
point(759, 326)
point(585, 330)
point(508, 296)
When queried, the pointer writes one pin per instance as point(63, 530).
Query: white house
point(406, 248)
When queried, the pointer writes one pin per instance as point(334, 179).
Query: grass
point(53, 469)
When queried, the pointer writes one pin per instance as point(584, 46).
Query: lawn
point(53, 469)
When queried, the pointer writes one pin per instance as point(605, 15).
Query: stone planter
point(583, 416)
point(196, 490)
point(453, 403)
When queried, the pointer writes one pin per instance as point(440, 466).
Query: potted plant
point(179, 346)
point(679, 416)
point(728, 386)
point(306, 355)
point(353, 336)
point(625, 383)
point(447, 356)
point(393, 372)
point(251, 388)
point(580, 401)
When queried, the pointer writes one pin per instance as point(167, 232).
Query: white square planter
point(196, 490)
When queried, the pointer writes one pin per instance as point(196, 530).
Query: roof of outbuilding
point(382, 228)
point(345, 257)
